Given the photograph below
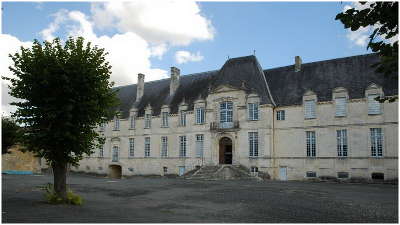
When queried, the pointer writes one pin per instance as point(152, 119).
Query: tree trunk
point(60, 179)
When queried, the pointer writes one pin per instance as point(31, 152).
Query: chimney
point(139, 86)
point(174, 84)
point(297, 64)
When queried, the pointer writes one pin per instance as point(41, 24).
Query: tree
point(10, 132)
point(66, 94)
point(383, 16)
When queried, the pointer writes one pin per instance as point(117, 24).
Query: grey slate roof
point(353, 73)
point(286, 86)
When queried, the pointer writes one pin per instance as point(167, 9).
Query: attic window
point(374, 107)
point(309, 109)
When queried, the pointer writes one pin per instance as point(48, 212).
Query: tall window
point(374, 107)
point(101, 151)
point(252, 111)
point(226, 112)
point(200, 117)
point(182, 118)
point(115, 154)
point(131, 147)
point(199, 145)
point(341, 136)
point(376, 142)
point(182, 146)
point(310, 139)
point(164, 119)
point(340, 107)
point(253, 144)
point(147, 147)
point(116, 123)
point(147, 121)
point(280, 115)
point(164, 146)
point(132, 120)
point(102, 127)
point(309, 109)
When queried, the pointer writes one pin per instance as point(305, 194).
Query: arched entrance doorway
point(225, 151)
point(115, 171)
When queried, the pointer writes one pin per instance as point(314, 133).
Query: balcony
point(218, 126)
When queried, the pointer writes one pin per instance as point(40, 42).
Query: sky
point(151, 36)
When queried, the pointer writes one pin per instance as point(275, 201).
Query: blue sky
point(152, 36)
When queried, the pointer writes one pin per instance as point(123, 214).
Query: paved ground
point(166, 200)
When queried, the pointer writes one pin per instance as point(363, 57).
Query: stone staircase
point(221, 172)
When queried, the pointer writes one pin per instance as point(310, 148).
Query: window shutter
point(340, 106)
point(374, 107)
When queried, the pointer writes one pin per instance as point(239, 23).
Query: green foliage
point(10, 132)
point(52, 197)
point(65, 93)
point(383, 16)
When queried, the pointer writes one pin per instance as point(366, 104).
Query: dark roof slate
point(353, 73)
point(283, 84)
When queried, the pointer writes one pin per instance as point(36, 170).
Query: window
point(199, 145)
point(342, 175)
point(254, 171)
point(309, 109)
point(182, 146)
point(182, 118)
point(378, 176)
point(131, 147)
point(226, 112)
point(252, 111)
point(165, 170)
point(115, 154)
point(280, 115)
point(101, 151)
point(132, 125)
point(147, 121)
point(102, 127)
point(164, 146)
point(376, 142)
point(341, 137)
point(311, 174)
point(310, 139)
point(147, 147)
point(164, 119)
point(116, 123)
point(340, 107)
point(253, 144)
point(200, 115)
point(374, 107)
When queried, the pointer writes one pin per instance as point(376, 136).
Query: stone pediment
point(224, 88)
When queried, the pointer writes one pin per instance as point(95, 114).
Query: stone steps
point(221, 172)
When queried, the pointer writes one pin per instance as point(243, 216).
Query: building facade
point(309, 120)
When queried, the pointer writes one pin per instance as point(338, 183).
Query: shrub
point(52, 197)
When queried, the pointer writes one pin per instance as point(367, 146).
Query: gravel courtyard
point(175, 200)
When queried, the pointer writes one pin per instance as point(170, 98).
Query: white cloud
point(185, 56)
point(8, 45)
point(360, 37)
point(157, 21)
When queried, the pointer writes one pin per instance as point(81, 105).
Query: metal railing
point(224, 125)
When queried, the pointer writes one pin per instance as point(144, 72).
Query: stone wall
point(20, 161)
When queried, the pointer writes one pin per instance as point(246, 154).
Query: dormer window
point(341, 105)
point(309, 109)
point(182, 118)
point(132, 122)
point(374, 107)
point(116, 123)
point(164, 119)
point(252, 111)
point(147, 121)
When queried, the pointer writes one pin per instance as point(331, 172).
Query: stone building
point(316, 119)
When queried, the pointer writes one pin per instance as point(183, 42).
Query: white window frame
point(182, 118)
point(253, 144)
point(164, 116)
point(147, 147)
point(340, 106)
point(101, 151)
point(164, 146)
point(376, 139)
point(280, 115)
point(131, 147)
point(115, 153)
point(199, 145)
point(116, 123)
point(252, 111)
point(309, 109)
point(132, 122)
point(226, 112)
point(374, 107)
point(200, 115)
point(311, 148)
point(182, 146)
point(341, 143)
point(147, 121)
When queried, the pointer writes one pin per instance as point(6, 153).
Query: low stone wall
point(16, 160)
